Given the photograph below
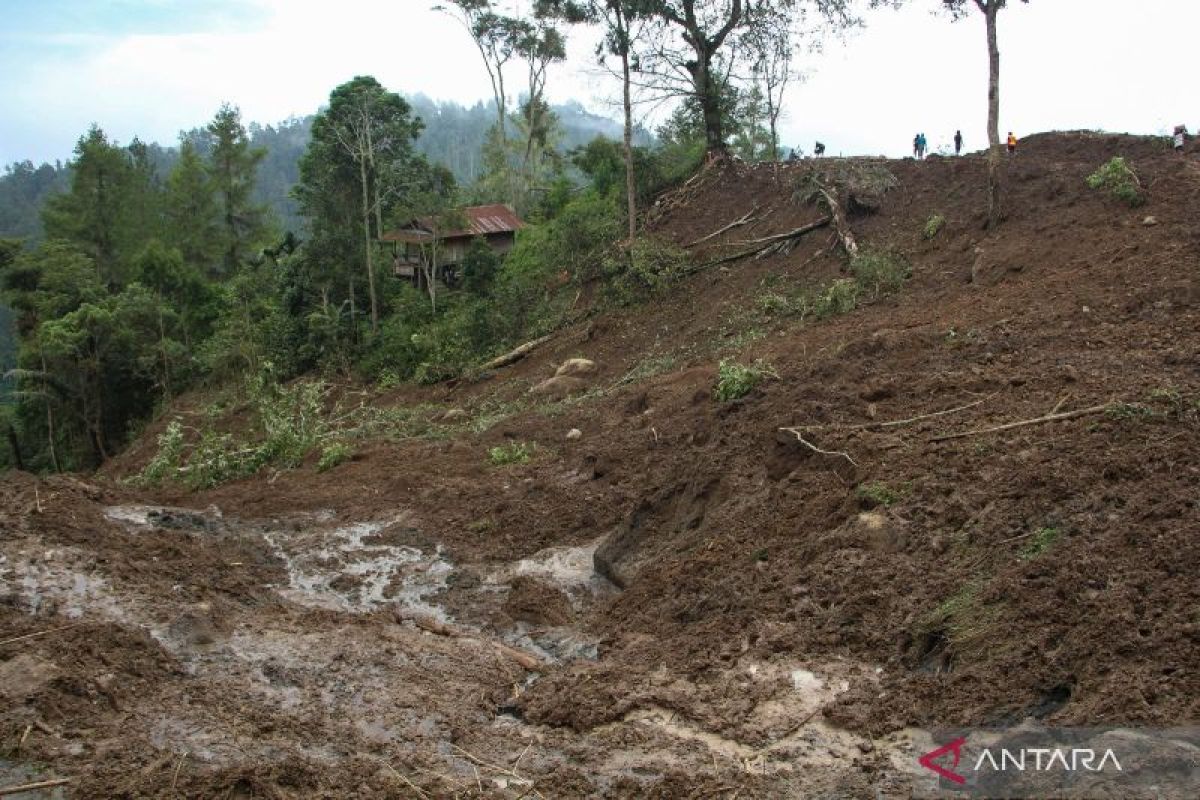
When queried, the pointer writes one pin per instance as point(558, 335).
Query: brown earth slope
point(784, 620)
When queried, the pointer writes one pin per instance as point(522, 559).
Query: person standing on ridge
point(958, 143)
point(917, 146)
point(1180, 138)
point(922, 143)
point(1012, 144)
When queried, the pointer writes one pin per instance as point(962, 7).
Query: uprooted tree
point(991, 11)
point(846, 189)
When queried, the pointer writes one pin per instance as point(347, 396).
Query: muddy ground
point(684, 600)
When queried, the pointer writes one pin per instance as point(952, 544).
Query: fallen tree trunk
point(762, 244)
point(516, 355)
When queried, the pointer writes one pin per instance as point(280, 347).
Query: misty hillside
point(453, 136)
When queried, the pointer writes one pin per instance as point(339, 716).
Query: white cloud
point(1066, 64)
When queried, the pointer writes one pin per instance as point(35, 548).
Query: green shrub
point(165, 463)
point(735, 380)
point(511, 453)
point(879, 494)
point(334, 454)
point(1043, 539)
point(650, 266)
point(776, 304)
point(1127, 411)
point(1120, 180)
point(934, 226)
point(879, 272)
point(840, 297)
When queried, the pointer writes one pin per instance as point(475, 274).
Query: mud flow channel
point(363, 650)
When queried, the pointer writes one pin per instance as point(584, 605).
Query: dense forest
point(246, 255)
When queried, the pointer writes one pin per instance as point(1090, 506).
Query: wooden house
point(421, 242)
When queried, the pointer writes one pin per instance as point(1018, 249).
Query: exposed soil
point(685, 601)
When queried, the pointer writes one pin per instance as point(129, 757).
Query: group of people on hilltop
point(921, 144)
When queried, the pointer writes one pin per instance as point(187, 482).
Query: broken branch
point(737, 223)
point(795, 432)
point(761, 245)
point(33, 787)
point(898, 422)
point(40, 633)
point(1083, 412)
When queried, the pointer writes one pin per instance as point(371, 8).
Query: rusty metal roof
point(480, 221)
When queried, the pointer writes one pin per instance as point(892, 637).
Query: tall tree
point(192, 216)
point(370, 131)
point(702, 43)
point(90, 214)
point(991, 11)
point(233, 164)
point(623, 22)
point(496, 36)
point(770, 41)
point(703, 28)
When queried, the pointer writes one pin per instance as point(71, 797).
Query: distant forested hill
point(453, 136)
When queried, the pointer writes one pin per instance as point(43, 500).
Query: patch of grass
point(492, 412)
point(482, 525)
point(1119, 179)
point(879, 494)
point(1177, 404)
point(388, 379)
point(334, 454)
point(1042, 540)
point(761, 554)
point(775, 304)
point(647, 368)
point(840, 297)
point(511, 453)
point(1128, 411)
point(963, 619)
point(933, 226)
point(880, 272)
point(735, 380)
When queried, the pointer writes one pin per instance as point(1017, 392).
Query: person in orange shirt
point(1012, 144)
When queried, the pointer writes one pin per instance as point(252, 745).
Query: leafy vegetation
point(735, 381)
point(511, 453)
point(879, 272)
point(1119, 179)
point(1041, 541)
point(879, 494)
point(333, 455)
point(933, 226)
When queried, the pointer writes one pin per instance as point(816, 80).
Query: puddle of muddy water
point(337, 569)
point(51, 582)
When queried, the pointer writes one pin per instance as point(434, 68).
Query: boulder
point(574, 434)
point(576, 366)
point(558, 387)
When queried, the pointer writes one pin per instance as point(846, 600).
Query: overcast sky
point(154, 67)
